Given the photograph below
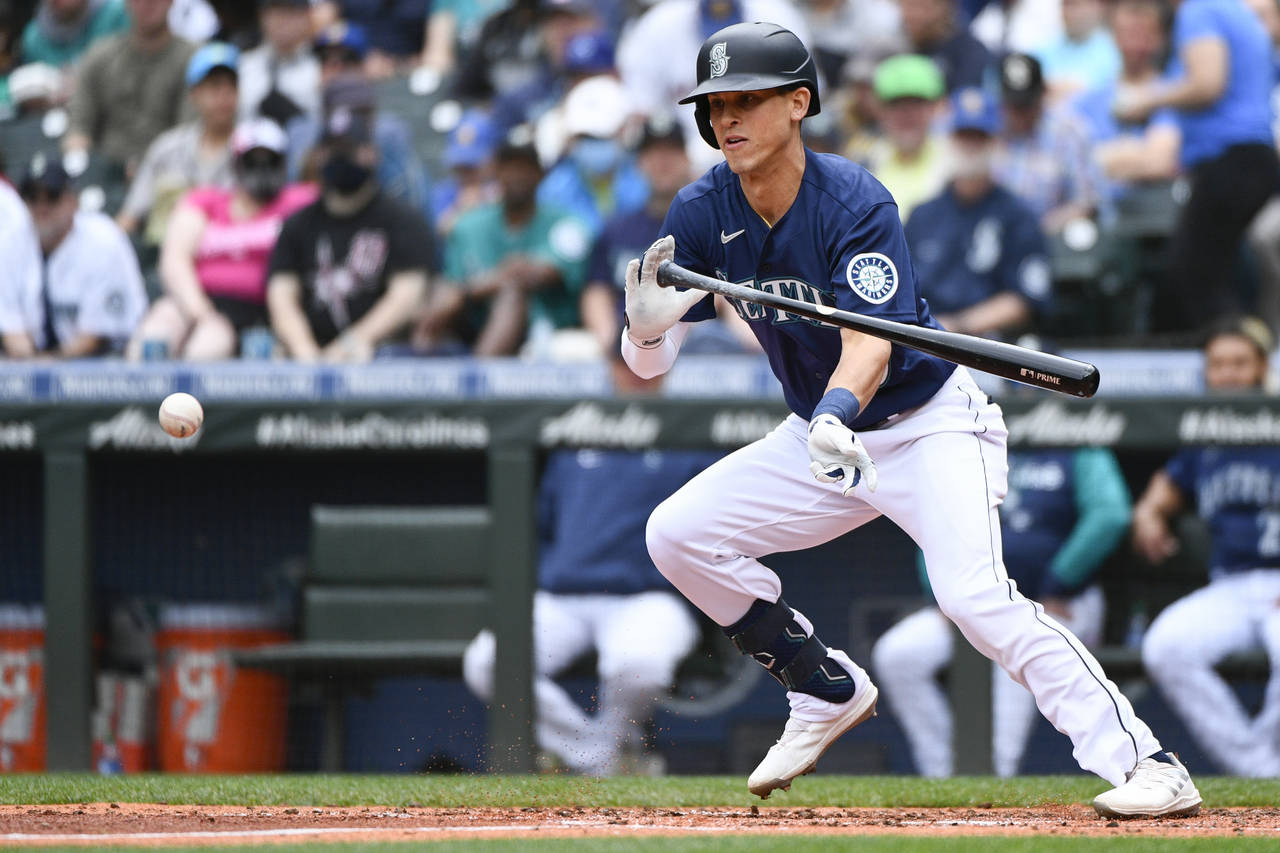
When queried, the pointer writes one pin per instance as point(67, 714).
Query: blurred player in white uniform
point(81, 292)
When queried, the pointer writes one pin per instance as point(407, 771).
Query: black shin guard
point(770, 633)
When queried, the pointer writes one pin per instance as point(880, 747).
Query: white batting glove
point(652, 308)
point(838, 455)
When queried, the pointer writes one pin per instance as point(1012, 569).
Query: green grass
point(773, 844)
point(502, 791)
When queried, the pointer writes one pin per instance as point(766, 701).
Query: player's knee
point(889, 655)
point(1166, 648)
point(667, 535)
point(477, 664)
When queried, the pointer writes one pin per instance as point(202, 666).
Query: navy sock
point(1162, 757)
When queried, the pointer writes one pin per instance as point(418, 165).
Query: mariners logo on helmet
point(719, 59)
point(873, 277)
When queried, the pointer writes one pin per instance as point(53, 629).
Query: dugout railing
point(68, 437)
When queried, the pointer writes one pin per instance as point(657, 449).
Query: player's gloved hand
point(838, 455)
point(652, 308)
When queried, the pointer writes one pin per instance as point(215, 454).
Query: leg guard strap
point(803, 665)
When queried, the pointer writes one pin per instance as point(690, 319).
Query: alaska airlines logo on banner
point(789, 287)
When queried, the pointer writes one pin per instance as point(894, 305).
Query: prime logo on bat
point(876, 429)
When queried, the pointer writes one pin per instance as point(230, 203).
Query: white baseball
point(181, 415)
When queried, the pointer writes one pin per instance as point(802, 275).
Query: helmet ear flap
point(702, 115)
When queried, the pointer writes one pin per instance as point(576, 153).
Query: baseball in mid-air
point(181, 415)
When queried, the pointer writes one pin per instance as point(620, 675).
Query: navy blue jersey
point(593, 506)
point(625, 236)
point(1236, 491)
point(967, 253)
point(840, 244)
point(1038, 513)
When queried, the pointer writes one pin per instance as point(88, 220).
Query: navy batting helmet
point(749, 56)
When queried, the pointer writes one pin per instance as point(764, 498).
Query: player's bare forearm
point(81, 346)
point(396, 307)
point(18, 345)
point(862, 366)
point(1002, 311)
point(284, 304)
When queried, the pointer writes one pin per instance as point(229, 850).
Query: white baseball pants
point(1235, 613)
point(639, 641)
point(943, 472)
point(907, 659)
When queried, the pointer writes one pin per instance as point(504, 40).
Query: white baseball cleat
point(802, 743)
point(1154, 789)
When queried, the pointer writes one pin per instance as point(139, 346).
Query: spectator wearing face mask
point(979, 254)
point(596, 177)
point(350, 269)
point(341, 49)
point(213, 263)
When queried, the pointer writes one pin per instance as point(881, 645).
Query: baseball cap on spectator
point(715, 15)
point(659, 129)
point(589, 53)
point(340, 34)
point(595, 107)
point(215, 54)
point(908, 75)
point(44, 173)
point(35, 81)
point(258, 133)
point(1021, 80)
point(974, 110)
point(472, 141)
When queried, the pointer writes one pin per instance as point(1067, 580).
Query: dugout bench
point(389, 591)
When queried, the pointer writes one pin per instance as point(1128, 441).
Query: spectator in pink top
point(213, 262)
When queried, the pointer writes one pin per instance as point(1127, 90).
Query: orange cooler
point(213, 717)
point(22, 710)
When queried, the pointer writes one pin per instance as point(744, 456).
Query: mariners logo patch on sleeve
point(873, 277)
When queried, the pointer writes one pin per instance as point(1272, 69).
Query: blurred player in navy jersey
point(1236, 491)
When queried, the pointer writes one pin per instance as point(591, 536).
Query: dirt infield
point(104, 824)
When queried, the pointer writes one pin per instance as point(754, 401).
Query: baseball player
point(875, 429)
point(1065, 512)
point(1235, 491)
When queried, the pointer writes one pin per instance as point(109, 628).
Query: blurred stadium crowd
point(345, 179)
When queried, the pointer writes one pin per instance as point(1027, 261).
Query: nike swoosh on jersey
point(725, 238)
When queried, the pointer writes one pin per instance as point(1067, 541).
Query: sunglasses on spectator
point(32, 195)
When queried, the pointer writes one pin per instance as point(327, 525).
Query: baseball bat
point(1028, 366)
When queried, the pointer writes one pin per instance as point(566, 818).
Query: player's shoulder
point(96, 228)
point(843, 185)
point(707, 189)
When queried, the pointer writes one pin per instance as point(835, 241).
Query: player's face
point(215, 98)
point(666, 166)
point(753, 127)
point(1233, 363)
point(906, 121)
